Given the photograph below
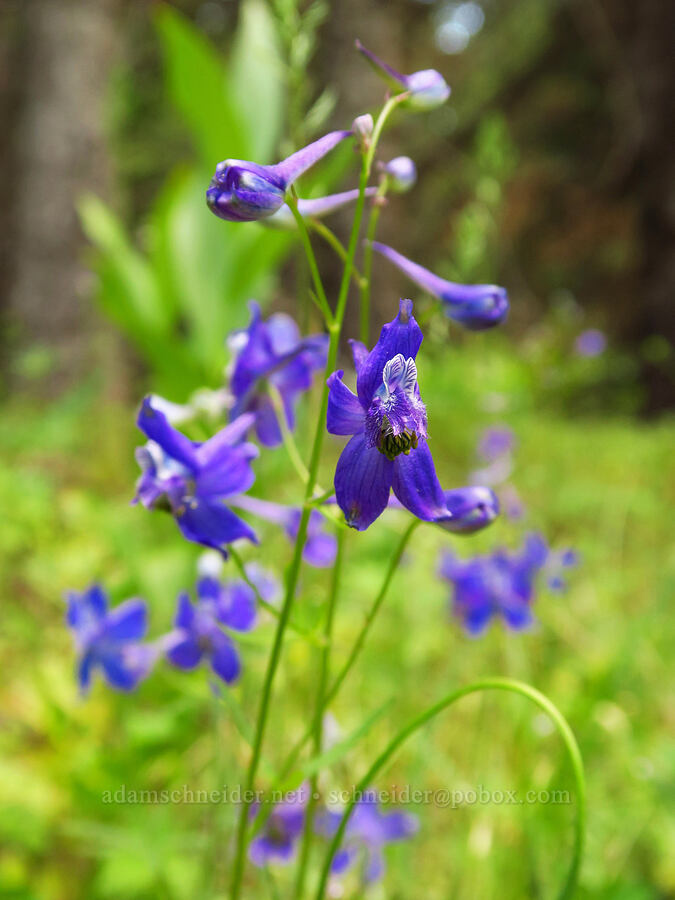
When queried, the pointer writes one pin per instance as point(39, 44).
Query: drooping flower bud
point(469, 509)
point(402, 174)
point(427, 87)
point(315, 208)
point(475, 306)
point(242, 191)
point(362, 127)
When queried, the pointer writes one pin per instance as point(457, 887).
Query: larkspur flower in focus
point(427, 87)
point(475, 306)
point(199, 634)
point(282, 830)
point(107, 639)
point(499, 584)
point(272, 351)
point(193, 480)
point(388, 422)
point(321, 544)
point(368, 831)
point(242, 191)
point(401, 172)
point(315, 208)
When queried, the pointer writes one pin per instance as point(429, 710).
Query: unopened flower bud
point(427, 87)
point(402, 174)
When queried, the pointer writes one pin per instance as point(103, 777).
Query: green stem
point(317, 726)
point(334, 330)
point(368, 260)
point(355, 652)
point(336, 244)
point(320, 295)
point(485, 684)
point(287, 437)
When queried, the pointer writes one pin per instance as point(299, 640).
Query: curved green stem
point(485, 684)
point(355, 652)
point(317, 725)
point(287, 437)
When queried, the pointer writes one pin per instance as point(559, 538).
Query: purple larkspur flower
point(591, 342)
point(496, 441)
point(272, 351)
point(316, 208)
point(499, 584)
point(321, 544)
point(388, 422)
point(198, 628)
point(402, 174)
point(368, 831)
point(427, 87)
point(107, 639)
point(476, 307)
point(193, 480)
point(242, 191)
point(281, 831)
point(467, 509)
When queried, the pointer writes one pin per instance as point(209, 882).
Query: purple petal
point(185, 654)
point(359, 353)
point(342, 860)
point(293, 166)
point(403, 336)
point(363, 479)
point(87, 608)
point(155, 427)
point(265, 509)
point(213, 524)
point(84, 668)
point(345, 413)
point(320, 550)
point(236, 606)
point(475, 306)
point(218, 447)
point(185, 613)
point(284, 333)
point(228, 472)
point(396, 826)
point(374, 869)
point(377, 63)
point(416, 485)
point(127, 622)
point(469, 509)
point(119, 673)
point(225, 659)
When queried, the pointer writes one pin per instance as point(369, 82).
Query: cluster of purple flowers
point(111, 639)
point(368, 831)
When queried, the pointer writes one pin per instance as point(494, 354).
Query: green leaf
point(200, 90)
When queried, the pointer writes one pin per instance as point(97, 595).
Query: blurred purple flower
point(427, 87)
point(476, 307)
point(368, 831)
point(242, 191)
point(272, 351)
point(501, 584)
point(316, 208)
point(556, 565)
point(388, 422)
point(107, 639)
point(192, 480)
point(198, 634)
point(321, 544)
point(592, 342)
point(402, 174)
point(495, 442)
point(281, 831)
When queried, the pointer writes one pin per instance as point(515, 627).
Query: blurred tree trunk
point(56, 67)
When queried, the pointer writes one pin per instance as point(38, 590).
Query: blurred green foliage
point(177, 290)
point(601, 651)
